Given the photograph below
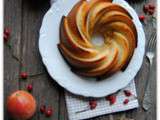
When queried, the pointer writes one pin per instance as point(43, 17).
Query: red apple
point(21, 105)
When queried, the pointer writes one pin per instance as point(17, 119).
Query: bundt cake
point(101, 17)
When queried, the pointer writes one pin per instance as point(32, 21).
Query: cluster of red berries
point(24, 75)
point(48, 112)
point(148, 9)
point(111, 99)
point(127, 94)
point(6, 34)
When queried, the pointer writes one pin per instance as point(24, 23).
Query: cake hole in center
point(97, 40)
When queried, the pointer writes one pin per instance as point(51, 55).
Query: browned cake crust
point(110, 20)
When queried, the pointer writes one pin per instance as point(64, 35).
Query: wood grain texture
point(24, 18)
point(44, 88)
point(11, 65)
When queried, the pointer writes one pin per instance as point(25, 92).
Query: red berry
point(93, 104)
point(126, 101)
point(24, 75)
point(42, 109)
point(48, 112)
point(151, 12)
point(108, 97)
point(29, 87)
point(145, 8)
point(141, 17)
point(111, 99)
point(5, 36)
point(7, 31)
point(127, 93)
point(151, 6)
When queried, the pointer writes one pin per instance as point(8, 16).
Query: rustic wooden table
point(24, 18)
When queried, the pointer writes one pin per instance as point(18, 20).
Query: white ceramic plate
point(59, 69)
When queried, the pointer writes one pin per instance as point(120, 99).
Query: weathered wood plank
point(44, 89)
point(62, 105)
point(13, 20)
point(151, 113)
point(141, 78)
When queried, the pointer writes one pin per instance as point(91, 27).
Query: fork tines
point(152, 41)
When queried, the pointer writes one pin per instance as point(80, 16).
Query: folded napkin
point(78, 106)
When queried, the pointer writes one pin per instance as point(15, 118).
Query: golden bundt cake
point(104, 18)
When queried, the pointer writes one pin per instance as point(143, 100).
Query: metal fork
point(151, 47)
point(147, 102)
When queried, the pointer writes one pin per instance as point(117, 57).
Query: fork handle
point(147, 101)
